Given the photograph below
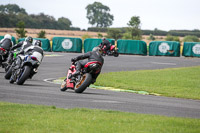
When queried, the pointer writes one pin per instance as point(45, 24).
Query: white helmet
point(8, 36)
point(97, 49)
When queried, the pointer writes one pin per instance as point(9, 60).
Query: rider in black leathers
point(22, 45)
point(5, 43)
point(107, 44)
point(94, 55)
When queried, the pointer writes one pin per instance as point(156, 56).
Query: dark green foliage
point(11, 14)
point(41, 34)
point(64, 23)
point(172, 38)
point(100, 35)
point(11, 9)
point(75, 28)
point(21, 32)
point(191, 39)
point(183, 33)
point(151, 37)
point(97, 29)
point(98, 15)
point(134, 28)
point(114, 33)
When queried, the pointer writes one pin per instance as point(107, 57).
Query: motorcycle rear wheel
point(63, 86)
point(84, 83)
point(24, 76)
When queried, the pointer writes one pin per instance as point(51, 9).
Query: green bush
point(172, 38)
point(191, 39)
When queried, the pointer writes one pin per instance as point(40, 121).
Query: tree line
point(12, 14)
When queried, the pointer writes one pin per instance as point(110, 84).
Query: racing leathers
point(6, 44)
point(107, 44)
point(80, 63)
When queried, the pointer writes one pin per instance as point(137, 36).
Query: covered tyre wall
point(164, 48)
point(45, 43)
point(90, 43)
point(67, 44)
point(191, 49)
point(136, 47)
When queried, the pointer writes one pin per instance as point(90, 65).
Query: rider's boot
point(73, 76)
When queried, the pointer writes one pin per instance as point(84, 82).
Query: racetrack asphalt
point(37, 91)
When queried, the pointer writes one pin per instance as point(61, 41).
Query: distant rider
point(27, 46)
point(6, 43)
point(23, 45)
point(107, 44)
point(94, 55)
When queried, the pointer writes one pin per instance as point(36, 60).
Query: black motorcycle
point(23, 69)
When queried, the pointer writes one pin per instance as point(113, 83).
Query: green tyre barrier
point(191, 49)
point(135, 47)
point(164, 48)
point(67, 44)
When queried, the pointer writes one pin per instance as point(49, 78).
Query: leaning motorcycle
point(113, 51)
point(24, 67)
point(83, 80)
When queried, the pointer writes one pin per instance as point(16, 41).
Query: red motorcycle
point(3, 52)
point(113, 51)
point(84, 79)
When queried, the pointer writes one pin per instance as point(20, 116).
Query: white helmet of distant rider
point(8, 36)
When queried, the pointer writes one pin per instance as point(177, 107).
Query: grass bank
point(20, 118)
point(173, 82)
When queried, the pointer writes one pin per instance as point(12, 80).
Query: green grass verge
point(174, 82)
point(20, 118)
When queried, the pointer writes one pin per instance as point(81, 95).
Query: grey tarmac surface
point(37, 91)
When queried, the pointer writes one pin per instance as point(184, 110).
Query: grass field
point(173, 82)
point(17, 118)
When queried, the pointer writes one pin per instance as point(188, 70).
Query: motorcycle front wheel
point(83, 83)
point(63, 85)
point(116, 54)
point(8, 73)
point(24, 76)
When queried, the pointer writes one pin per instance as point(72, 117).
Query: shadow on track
point(84, 93)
